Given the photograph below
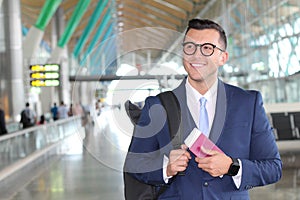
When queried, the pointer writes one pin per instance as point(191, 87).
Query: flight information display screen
point(44, 75)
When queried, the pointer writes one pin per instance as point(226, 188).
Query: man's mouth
point(197, 65)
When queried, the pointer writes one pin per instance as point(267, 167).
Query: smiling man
point(232, 118)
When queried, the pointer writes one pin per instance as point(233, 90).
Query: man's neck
point(202, 86)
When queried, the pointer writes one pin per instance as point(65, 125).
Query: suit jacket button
point(205, 184)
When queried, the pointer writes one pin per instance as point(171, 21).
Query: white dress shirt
point(193, 103)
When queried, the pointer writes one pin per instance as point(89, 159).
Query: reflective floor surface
point(92, 169)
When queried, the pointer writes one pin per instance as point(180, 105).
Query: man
point(62, 111)
point(54, 111)
point(3, 129)
point(237, 124)
point(28, 117)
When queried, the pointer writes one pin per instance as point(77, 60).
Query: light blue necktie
point(203, 120)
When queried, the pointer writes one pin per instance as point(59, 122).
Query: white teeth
point(196, 65)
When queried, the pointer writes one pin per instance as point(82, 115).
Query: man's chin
point(196, 78)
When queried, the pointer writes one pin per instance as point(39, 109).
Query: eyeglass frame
point(201, 45)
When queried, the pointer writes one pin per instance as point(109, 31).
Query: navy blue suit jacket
point(240, 128)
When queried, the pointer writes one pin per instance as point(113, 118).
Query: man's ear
point(223, 58)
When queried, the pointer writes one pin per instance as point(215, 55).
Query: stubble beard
point(201, 83)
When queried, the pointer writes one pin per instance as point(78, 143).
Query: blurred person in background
point(28, 117)
point(2, 122)
point(62, 111)
point(54, 112)
point(42, 120)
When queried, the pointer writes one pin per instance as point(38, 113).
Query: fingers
point(179, 155)
point(174, 169)
point(184, 147)
point(208, 151)
point(178, 161)
point(215, 165)
point(212, 156)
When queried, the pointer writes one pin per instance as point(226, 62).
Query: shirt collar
point(210, 94)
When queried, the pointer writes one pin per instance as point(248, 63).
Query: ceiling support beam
point(91, 24)
point(97, 35)
point(73, 22)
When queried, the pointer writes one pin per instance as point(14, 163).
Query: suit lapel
point(220, 114)
point(187, 122)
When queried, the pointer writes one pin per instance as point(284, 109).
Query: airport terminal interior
point(91, 56)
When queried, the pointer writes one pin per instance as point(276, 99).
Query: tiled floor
point(92, 170)
point(76, 178)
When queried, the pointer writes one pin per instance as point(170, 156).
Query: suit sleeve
point(264, 165)
point(150, 142)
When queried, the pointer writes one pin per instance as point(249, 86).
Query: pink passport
point(199, 144)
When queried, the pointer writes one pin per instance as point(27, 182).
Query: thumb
point(208, 151)
point(184, 147)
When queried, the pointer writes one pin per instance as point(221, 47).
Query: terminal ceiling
point(242, 20)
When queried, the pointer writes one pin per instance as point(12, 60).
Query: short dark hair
point(27, 104)
point(201, 24)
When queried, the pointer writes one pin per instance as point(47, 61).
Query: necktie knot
point(202, 102)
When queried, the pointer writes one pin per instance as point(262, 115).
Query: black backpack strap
point(172, 107)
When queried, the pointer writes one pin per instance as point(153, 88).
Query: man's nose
point(198, 52)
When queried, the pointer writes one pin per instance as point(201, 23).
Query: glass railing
point(21, 144)
point(13, 127)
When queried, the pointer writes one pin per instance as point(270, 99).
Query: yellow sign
point(44, 83)
point(44, 75)
point(44, 68)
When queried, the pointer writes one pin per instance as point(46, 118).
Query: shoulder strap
point(172, 106)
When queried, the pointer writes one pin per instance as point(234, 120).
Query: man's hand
point(216, 164)
point(178, 160)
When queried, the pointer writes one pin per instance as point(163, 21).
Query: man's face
point(202, 68)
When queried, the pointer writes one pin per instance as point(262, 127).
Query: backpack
point(134, 189)
point(25, 118)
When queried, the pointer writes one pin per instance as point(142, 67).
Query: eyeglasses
point(206, 49)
